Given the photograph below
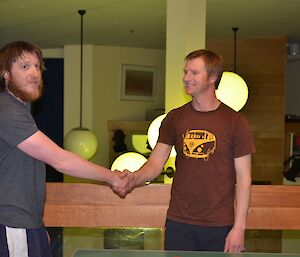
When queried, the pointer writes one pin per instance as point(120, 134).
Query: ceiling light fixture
point(81, 140)
point(153, 133)
point(232, 89)
point(131, 161)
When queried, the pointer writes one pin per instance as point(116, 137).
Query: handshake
point(122, 182)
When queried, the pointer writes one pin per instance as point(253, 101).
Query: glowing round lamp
point(232, 90)
point(169, 166)
point(81, 141)
point(139, 143)
point(131, 161)
point(153, 132)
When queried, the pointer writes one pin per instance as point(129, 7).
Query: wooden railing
point(274, 207)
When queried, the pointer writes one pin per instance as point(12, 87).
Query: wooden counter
point(274, 207)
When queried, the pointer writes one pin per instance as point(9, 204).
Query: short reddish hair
point(213, 62)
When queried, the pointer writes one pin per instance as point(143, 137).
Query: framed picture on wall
point(138, 82)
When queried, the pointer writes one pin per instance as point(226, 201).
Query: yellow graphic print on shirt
point(199, 144)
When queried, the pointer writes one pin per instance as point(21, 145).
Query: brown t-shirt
point(206, 143)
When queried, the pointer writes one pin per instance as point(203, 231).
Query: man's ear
point(6, 75)
point(213, 78)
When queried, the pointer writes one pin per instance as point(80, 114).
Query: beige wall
point(102, 86)
point(185, 32)
point(72, 87)
point(53, 53)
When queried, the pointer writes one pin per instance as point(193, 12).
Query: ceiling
point(139, 23)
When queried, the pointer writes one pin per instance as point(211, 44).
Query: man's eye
point(37, 66)
point(25, 66)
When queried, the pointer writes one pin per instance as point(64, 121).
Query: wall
point(102, 86)
point(293, 87)
point(262, 63)
point(107, 105)
point(53, 53)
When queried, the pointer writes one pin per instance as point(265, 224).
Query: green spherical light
point(81, 141)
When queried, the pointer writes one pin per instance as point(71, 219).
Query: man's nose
point(35, 72)
point(186, 77)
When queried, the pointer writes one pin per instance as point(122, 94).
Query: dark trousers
point(188, 237)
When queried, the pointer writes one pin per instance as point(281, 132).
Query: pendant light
point(81, 140)
point(232, 89)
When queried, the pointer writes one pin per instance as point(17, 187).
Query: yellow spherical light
point(153, 132)
point(139, 143)
point(81, 141)
point(169, 169)
point(131, 161)
point(232, 90)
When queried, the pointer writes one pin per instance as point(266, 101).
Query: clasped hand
point(123, 182)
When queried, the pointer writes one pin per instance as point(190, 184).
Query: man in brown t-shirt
point(211, 188)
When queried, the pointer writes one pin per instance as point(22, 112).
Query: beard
point(23, 94)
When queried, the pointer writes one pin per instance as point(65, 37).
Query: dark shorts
point(24, 242)
point(187, 237)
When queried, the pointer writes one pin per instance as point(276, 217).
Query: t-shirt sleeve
point(243, 138)
point(166, 130)
point(16, 125)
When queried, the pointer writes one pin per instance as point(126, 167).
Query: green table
point(147, 253)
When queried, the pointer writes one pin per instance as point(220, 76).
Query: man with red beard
point(24, 150)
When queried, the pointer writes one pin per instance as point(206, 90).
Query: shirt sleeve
point(166, 130)
point(16, 125)
point(243, 138)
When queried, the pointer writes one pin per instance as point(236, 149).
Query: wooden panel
point(292, 127)
point(274, 207)
point(135, 126)
point(87, 205)
point(261, 62)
